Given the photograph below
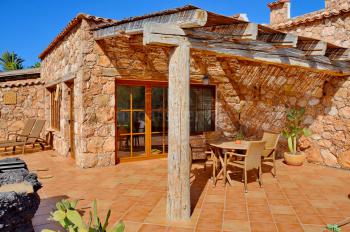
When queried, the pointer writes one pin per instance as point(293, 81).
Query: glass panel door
point(130, 121)
point(159, 121)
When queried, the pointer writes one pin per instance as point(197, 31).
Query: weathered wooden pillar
point(179, 203)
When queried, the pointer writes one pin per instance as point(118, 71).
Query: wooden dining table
point(220, 149)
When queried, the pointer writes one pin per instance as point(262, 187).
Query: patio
point(300, 199)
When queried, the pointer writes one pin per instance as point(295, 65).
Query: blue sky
point(28, 26)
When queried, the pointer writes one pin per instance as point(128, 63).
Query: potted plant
point(293, 131)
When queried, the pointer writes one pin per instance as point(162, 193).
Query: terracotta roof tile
point(20, 83)
point(69, 26)
point(273, 4)
point(317, 15)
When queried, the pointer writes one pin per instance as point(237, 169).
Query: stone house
point(105, 96)
point(21, 97)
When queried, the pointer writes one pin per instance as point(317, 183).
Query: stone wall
point(29, 104)
point(337, 4)
point(279, 11)
point(334, 29)
point(65, 63)
point(329, 144)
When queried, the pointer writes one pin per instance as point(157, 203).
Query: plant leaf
point(58, 215)
point(120, 227)
point(290, 144)
point(306, 132)
point(47, 230)
point(74, 203)
point(104, 227)
point(75, 218)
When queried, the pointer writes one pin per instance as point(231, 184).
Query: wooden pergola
point(190, 28)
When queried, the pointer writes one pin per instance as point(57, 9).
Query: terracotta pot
point(238, 142)
point(295, 160)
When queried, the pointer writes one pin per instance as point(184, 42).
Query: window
point(55, 107)
point(202, 109)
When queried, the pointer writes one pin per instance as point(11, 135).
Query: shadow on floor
point(42, 219)
point(199, 178)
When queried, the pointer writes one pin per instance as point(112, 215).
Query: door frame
point(148, 111)
point(70, 86)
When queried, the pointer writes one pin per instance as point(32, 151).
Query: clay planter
point(295, 160)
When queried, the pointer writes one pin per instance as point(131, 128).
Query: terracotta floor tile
point(289, 227)
point(137, 213)
point(233, 215)
point(215, 214)
point(260, 217)
point(281, 209)
point(263, 227)
point(132, 226)
point(311, 219)
point(285, 219)
point(152, 228)
point(236, 226)
point(137, 193)
point(209, 224)
point(179, 229)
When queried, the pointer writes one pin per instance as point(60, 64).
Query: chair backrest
point(36, 131)
point(198, 148)
point(253, 155)
point(271, 141)
point(28, 126)
point(213, 135)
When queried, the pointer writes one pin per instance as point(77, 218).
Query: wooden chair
point(198, 149)
point(28, 126)
point(269, 153)
point(32, 138)
point(251, 161)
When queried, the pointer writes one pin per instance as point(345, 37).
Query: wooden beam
point(184, 19)
point(312, 47)
point(178, 198)
point(243, 31)
point(279, 39)
point(338, 54)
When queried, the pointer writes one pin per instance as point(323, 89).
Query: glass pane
point(123, 97)
point(138, 122)
point(157, 98)
point(138, 96)
point(123, 134)
point(138, 137)
point(157, 122)
point(123, 123)
point(208, 120)
point(207, 99)
point(194, 97)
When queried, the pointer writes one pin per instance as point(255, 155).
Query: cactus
point(70, 219)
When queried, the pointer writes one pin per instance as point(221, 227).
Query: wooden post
point(179, 203)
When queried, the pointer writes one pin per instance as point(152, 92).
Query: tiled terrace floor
point(300, 199)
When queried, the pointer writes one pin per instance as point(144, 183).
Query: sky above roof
point(29, 26)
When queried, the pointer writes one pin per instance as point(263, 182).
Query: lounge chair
point(251, 161)
point(269, 152)
point(28, 126)
point(32, 138)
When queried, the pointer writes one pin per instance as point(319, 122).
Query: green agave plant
point(334, 228)
point(294, 129)
point(71, 220)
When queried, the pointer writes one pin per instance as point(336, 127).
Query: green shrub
point(71, 220)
